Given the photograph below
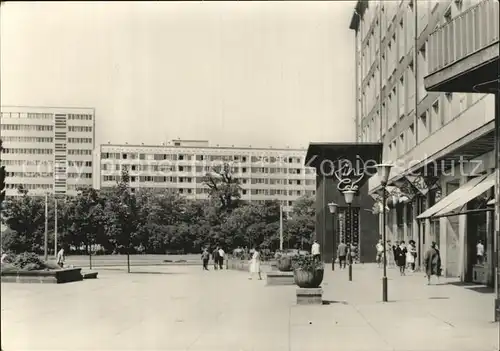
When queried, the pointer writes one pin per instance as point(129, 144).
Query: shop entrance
point(477, 229)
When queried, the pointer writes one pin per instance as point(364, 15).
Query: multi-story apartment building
point(439, 142)
point(182, 165)
point(47, 150)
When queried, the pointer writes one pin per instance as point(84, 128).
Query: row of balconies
point(469, 32)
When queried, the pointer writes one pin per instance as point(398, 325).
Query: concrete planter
point(279, 278)
point(313, 296)
point(44, 277)
point(285, 264)
point(308, 279)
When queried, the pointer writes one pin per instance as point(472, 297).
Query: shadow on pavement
point(439, 298)
point(330, 302)
point(168, 273)
point(484, 289)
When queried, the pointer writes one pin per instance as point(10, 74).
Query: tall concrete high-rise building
point(440, 141)
point(47, 149)
point(182, 165)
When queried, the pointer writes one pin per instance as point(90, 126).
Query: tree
point(25, 216)
point(124, 216)
point(87, 216)
point(2, 179)
point(225, 189)
point(301, 225)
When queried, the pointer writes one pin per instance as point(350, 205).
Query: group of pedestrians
point(402, 255)
point(405, 256)
point(218, 256)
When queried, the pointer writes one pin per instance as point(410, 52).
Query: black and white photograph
point(250, 175)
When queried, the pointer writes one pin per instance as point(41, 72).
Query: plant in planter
point(307, 271)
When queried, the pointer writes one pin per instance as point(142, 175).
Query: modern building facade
point(441, 143)
point(46, 149)
point(182, 165)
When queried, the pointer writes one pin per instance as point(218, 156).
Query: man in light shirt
point(342, 252)
point(480, 252)
point(315, 250)
point(221, 258)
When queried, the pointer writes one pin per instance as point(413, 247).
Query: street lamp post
point(383, 171)
point(332, 207)
point(349, 197)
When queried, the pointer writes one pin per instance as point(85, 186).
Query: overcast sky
point(242, 73)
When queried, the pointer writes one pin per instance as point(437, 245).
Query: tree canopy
point(120, 220)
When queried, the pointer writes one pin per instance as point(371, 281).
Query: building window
point(402, 144)
point(447, 15)
point(423, 127)
point(411, 136)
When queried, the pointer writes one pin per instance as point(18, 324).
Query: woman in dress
point(255, 264)
point(411, 256)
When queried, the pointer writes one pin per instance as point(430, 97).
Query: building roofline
point(54, 107)
point(202, 147)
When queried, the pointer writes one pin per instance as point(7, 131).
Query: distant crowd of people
point(218, 255)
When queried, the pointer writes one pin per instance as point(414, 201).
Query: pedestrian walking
point(221, 258)
point(432, 262)
point(411, 256)
point(400, 257)
point(380, 253)
point(205, 257)
point(60, 258)
point(389, 251)
point(480, 252)
point(315, 251)
point(215, 257)
point(255, 264)
point(352, 254)
point(342, 255)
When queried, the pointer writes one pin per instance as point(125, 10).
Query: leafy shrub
point(9, 267)
point(28, 261)
point(306, 262)
point(9, 257)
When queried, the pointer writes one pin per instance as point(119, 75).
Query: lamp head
point(332, 206)
point(383, 171)
point(349, 196)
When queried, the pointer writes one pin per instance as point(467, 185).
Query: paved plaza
point(183, 308)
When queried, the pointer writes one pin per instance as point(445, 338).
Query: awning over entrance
point(455, 207)
point(454, 196)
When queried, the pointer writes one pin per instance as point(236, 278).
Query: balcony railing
point(471, 31)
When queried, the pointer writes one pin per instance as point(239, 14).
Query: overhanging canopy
point(480, 188)
point(444, 202)
point(363, 156)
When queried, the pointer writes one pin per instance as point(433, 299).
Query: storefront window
point(421, 208)
point(477, 230)
point(434, 196)
point(409, 220)
point(400, 222)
